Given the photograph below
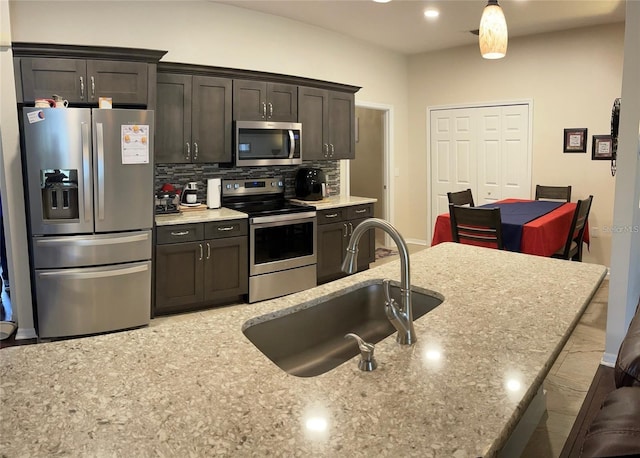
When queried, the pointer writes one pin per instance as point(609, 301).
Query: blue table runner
point(516, 214)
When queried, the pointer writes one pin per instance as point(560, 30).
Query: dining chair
point(572, 249)
point(475, 224)
point(461, 198)
point(553, 193)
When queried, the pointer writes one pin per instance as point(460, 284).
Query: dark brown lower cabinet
point(335, 227)
point(209, 267)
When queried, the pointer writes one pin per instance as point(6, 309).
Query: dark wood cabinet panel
point(342, 115)
point(43, 77)
point(226, 272)
point(328, 118)
point(313, 113)
point(200, 273)
point(173, 119)
point(335, 227)
point(263, 101)
point(331, 245)
point(178, 278)
point(282, 102)
point(125, 82)
point(193, 119)
point(211, 119)
point(82, 81)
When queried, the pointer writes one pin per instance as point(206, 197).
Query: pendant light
point(493, 32)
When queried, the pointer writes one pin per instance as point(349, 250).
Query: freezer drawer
point(74, 302)
point(91, 250)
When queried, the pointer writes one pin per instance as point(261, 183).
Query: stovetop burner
point(267, 207)
point(166, 209)
point(258, 197)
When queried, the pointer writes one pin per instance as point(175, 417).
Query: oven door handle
point(279, 218)
point(292, 144)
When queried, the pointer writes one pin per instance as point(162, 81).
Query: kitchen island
point(193, 385)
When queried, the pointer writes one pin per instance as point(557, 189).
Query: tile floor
point(569, 378)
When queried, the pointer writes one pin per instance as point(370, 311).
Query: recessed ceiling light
point(382, 1)
point(431, 13)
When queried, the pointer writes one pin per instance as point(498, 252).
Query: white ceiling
point(400, 25)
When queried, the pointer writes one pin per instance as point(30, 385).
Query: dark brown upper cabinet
point(193, 119)
point(82, 74)
point(263, 101)
point(328, 124)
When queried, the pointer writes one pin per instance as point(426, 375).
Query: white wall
point(210, 34)
point(572, 77)
point(11, 187)
point(624, 287)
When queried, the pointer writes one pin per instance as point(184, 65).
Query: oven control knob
point(228, 186)
point(273, 183)
point(236, 186)
point(280, 183)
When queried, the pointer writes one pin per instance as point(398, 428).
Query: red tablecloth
point(543, 236)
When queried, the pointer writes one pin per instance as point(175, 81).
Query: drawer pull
point(180, 234)
point(332, 215)
point(228, 228)
point(364, 210)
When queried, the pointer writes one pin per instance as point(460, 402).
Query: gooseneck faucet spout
point(401, 317)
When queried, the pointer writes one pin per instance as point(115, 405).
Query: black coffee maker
point(311, 184)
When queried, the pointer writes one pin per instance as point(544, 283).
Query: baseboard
point(416, 241)
point(609, 359)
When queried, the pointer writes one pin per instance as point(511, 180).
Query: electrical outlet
point(594, 232)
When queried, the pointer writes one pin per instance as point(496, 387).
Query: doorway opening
point(368, 174)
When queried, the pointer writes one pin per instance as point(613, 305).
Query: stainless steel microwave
point(260, 143)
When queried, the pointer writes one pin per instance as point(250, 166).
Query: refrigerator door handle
point(79, 241)
point(78, 274)
point(86, 171)
point(100, 178)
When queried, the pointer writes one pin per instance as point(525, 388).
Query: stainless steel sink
point(310, 342)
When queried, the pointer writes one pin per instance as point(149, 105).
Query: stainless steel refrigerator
point(89, 179)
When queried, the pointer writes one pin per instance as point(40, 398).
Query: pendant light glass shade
point(493, 32)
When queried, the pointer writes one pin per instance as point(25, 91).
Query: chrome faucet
point(401, 317)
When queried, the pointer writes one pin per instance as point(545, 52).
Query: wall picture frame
point(575, 140)
point(602, 148)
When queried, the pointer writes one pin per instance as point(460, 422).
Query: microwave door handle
point(292, 144)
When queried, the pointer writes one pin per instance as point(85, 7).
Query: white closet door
point(485, 149)
point(453, 156)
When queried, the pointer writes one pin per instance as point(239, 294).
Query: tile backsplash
point(180, 174)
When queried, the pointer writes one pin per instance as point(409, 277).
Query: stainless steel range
point(282, 237)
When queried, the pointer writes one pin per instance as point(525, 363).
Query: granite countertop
point(199, 216)
point(335, 202)
point(194, 385)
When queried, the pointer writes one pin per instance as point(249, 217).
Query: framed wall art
point(602, 148)
point(575, 140)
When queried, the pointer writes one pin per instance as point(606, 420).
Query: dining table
point(528, 226)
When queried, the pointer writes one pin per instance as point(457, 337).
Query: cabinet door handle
point(93, 87)
point(270, 110)
point(364, 210)
point(201, 252)
point(264, 110)
point(325, 146)
point(195, 151)
point(350, 229)
point(208, 250)
point(227, 228)
point(345, 229)
point(188, 158)
point(81, 88)
point(180, 234)
point(333, 150)
point(332, 215)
